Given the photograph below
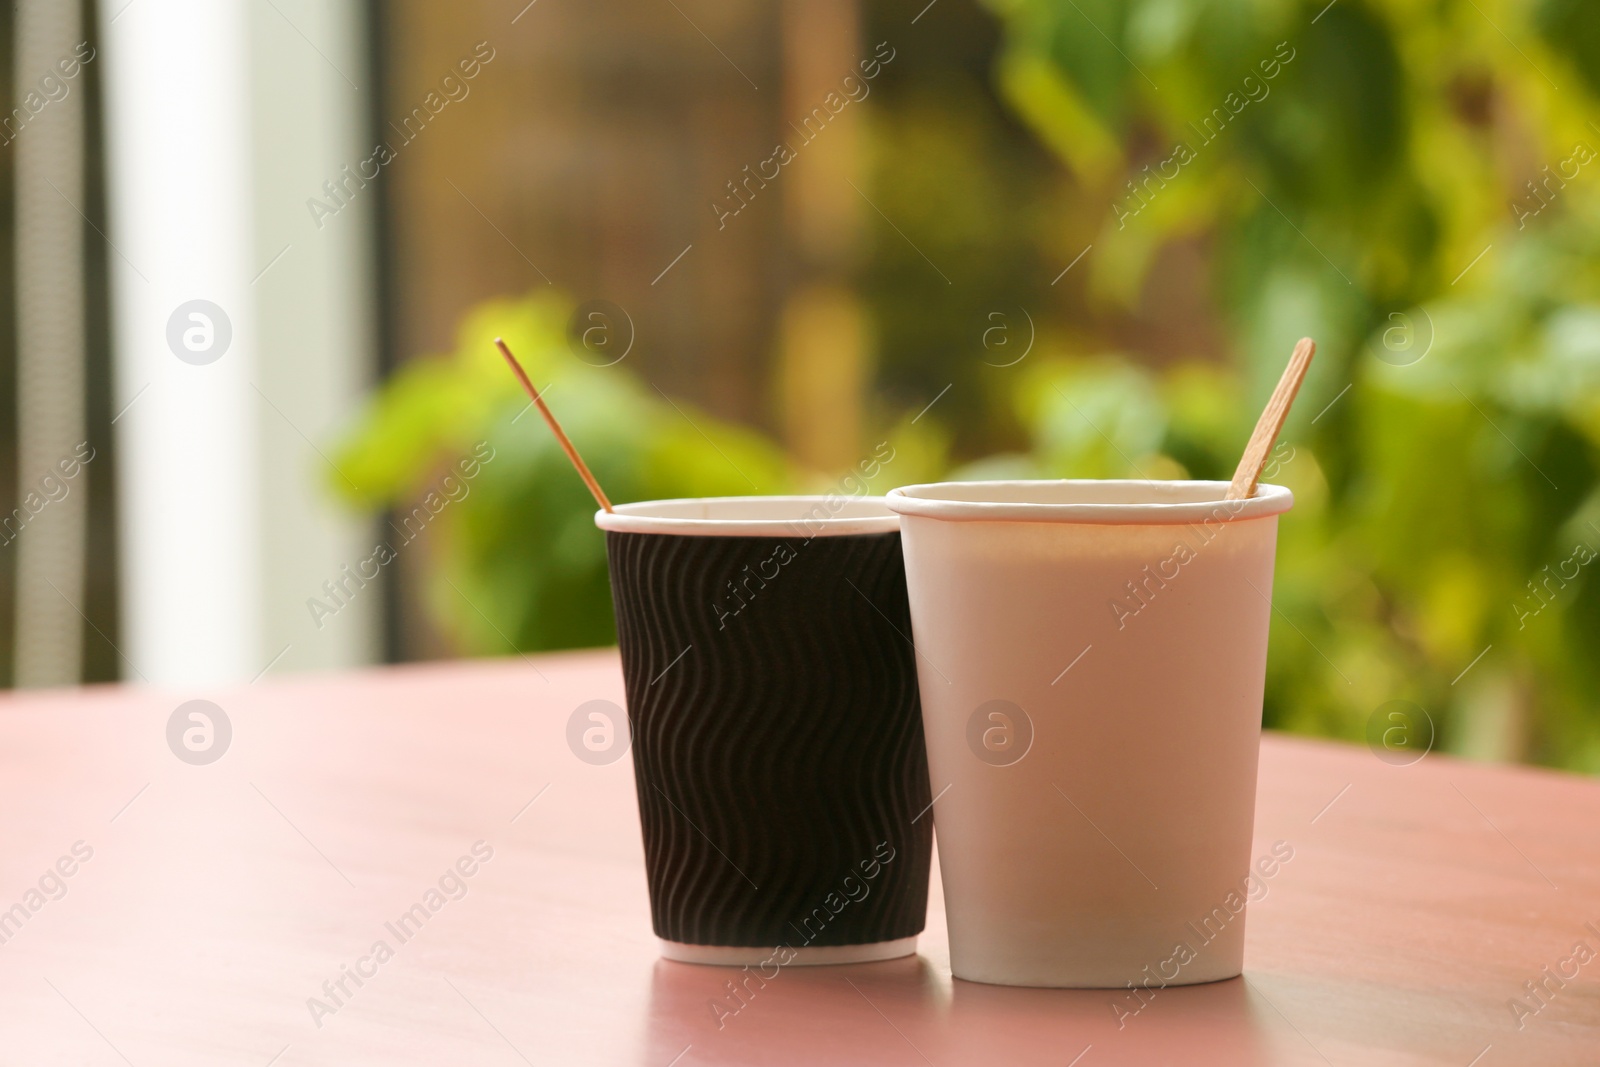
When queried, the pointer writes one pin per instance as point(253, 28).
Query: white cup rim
point(804, 516)
point(1094, 501)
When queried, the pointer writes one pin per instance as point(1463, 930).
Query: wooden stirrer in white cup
point(555, 427)
point(1248, 473)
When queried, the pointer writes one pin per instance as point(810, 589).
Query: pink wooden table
point(216, 900)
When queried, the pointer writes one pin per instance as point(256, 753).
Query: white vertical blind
point(178, 121)
point(223, 118)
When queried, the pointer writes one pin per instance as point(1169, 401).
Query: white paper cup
point(1092, 656)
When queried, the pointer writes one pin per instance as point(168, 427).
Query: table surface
point(219, 899)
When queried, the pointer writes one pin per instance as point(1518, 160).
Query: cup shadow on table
point(869, 1013)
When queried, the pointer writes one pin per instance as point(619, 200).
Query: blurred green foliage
point(1359, 172)
point(518, 562)
point(1403, 181)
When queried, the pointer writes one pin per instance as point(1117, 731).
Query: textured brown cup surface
point(777, 736)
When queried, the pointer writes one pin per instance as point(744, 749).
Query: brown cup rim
point(831, 515)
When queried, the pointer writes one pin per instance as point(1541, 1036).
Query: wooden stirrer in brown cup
point(1248, 473)
point(555, 427)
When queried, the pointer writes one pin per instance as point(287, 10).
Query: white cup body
point(1101, 834)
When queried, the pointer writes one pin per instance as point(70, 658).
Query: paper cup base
point(815, 956)
point(1087, 980)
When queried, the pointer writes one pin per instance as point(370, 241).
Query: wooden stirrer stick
point(555, 427)
point(1248, 472)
